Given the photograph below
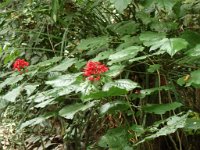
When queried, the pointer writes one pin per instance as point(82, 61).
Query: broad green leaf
point(3, 103)
point(161, 108)
point(45, 103)
point(30, 88)
point(144, 17)
point(153, 68)
point(121, 83)
point(195, 52)
point(146, 92)
point(114, 106)
point(12, 95)
point(11, 81)
point(120, 5)
point(115, 70)
point(191, 37)
point(53, 75)
point(42, 96)
point(52, 94)
point(167, 5)
point(124, 27)
point(181, 81)
point(47, 62)
point(173, 123)
point(69, 111)
point(171, 46)
point(114, 91)
point(125, 54)
point(138, 129)
point(85, 88)
point(93, 43)
point(64, 80)
point(64, 65)
point(192, 124)
point(115, 139)
point(36, 121)
point(194, 79)
point(163, 26)
point(149, 38)
point(160, 4)
point(103, 55)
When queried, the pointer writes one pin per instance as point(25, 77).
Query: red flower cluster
point(93, 70)
point(20, 64)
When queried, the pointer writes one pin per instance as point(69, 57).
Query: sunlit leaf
point(121, 83)
point(125, 54)
point(120, 5)
point(64, 80)
point(69, 111)
point(172, 124)
point(111, 107)
point(12, 95)
point(64, 65)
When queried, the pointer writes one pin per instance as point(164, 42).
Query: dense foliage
point(103, 74)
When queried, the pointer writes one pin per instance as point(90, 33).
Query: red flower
point(20, 64)
point(93, 70)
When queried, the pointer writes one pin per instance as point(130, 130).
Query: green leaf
point(192, 124)
point(52, 94)
point(42, 96)
point(37, 120)
point(3, 103)
point(122, 84)
point(114, 91)
point(64, 65)
point(173, 123)
point(115, 70)
point(124, 28)
point(161, 108)
point(69, 111)
point(115, 139)
point(11, 81)
point(125, 54)
point(144, 17)
point(120, 5)
point(153, 68)
point(64, 80)
point(103, 55)
point(30, 88)
point(46, 62)
point(194, 79)
point(167, 5)
point(12, 95)
point(138, 129)
point(55, 7)
point(191, 37)
point(45, 103)
point(195, 52)
point(171, 46)
point(150, 91)
point(93, 43)
point(111, 107)
point(85, 88)
point(149, 38)
point(181, 81)
point(163, 26)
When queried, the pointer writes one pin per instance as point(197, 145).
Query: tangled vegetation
point(102, 74)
